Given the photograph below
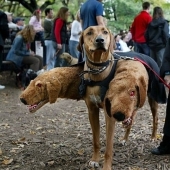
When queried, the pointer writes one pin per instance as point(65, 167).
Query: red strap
point(137, 59)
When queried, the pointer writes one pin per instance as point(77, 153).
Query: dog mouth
point(127, 122)
point(33, 108)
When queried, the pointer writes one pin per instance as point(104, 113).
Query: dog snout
point(100, 40)
point(23, 101)
point(119, 116)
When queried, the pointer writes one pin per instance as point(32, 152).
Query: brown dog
point(97, 42)
point(69, 59)
point(50, 85)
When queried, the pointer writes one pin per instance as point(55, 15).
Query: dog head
point(98, 42)
point(66, 56)
point(39, 92)
point(124, 97)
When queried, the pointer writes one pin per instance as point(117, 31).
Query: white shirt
point(11, 25)
point(124, 46)
point(75, 30)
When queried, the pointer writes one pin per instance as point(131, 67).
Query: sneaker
point(2, 87)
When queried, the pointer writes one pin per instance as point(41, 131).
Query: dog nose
point(119, 116)
point(23, 101)
point(99, 40)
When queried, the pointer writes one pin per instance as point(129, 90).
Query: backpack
point(154, 37)
point(4, 29)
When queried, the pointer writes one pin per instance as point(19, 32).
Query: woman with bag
point(157, 35)
point(59, 34)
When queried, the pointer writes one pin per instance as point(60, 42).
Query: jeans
point(143, 48)
point(166, 129)
point(157, 56)
point(50, 54)
point(59, 62)
point(73, 48)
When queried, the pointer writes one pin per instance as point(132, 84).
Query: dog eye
point(89, 33)
point(132, 93)
point(105, 32)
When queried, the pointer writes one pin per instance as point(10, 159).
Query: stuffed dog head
point(124, 97)
point(39, 92)
point(98, 42)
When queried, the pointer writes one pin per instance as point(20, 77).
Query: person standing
point(4, 33)
point(157, 35)
point(91, 13)
point(139, 27)
point(76, 30)
point(50, 51)
point(164, 147)
point(59, 35)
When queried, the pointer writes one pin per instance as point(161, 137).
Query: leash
point(144, 63)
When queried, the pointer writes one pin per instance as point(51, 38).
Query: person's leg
point(164, 147)
point(73, 48)
point(59, 61)
point(153, 55)
point(50, 51)
point(138, 46)
point(40, 61)
point(33, 61)
point(145, 49)
point(159, 56)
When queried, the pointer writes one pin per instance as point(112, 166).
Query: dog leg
point(154, 109)
point(110, 127)
point(94, 121)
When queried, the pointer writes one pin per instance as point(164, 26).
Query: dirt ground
point(59, 137)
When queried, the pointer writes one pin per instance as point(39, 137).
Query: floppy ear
point(81, 42)
point(112, 42)
point(53, 90)
point(142, 92)
point(108, 107)
point(38, 84)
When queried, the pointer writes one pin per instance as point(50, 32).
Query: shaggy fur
point(50, 85)
point(127, 92)
point(69, 59)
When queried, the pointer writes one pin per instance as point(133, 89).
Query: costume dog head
point(98, 41)
point(50, 85)
point(127, 92)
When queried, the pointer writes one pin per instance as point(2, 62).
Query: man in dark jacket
point(4, 33)
point(164, 147)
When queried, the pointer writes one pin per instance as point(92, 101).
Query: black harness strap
point(104, 84)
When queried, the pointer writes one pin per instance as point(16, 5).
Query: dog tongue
point(127, 121)
point(30, 107)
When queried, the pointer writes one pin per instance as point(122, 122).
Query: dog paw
point(94, 164)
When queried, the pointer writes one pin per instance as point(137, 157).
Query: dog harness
point(104, 84)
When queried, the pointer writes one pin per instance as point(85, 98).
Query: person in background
point(117, 41)
point(4, 33)
point(91, 13)
point(36, 22)
point(123, 43)
point(11, 25)
point(157, 35)
point(76, 30)
point(59, 34)
point(164, 147)
point(19, 22)
point(139, 27)
point(20, 52)
point(50, 51)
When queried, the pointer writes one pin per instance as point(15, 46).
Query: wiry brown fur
point(53, 84)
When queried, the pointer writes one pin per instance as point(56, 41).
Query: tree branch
point(46, 3)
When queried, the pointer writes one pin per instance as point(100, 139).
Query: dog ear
point(38, 84)
point(108, 107)
point(81, 42)
point(53, 90)
point(112, 42)
point(142, 92)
